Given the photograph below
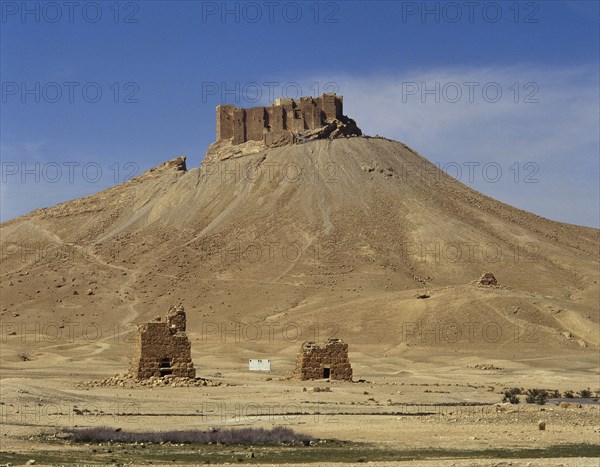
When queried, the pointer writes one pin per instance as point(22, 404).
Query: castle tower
point(276, 118)
point(255, 123)
point(332, 106)
point(224, 122)
point(312, 114)
point(239, 126)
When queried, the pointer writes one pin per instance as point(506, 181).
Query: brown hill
point(298, 243)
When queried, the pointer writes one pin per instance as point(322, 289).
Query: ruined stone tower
point(162, 348)
point(487, 278)
point(331, 361)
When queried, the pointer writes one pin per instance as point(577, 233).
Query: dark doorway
point(165, 367)
point(325, 372)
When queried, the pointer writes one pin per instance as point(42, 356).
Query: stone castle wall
point(163, 348)
point(276, 122)
point(314, 362)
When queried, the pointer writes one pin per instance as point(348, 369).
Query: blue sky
point(95, 92)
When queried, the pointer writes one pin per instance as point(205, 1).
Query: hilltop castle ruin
point(285, 122)
point(163, 348)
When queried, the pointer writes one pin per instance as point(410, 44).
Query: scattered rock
point(177, 164)
point(317, 389)
point(337, 128)
point(127, 380)
point(541, 425)
point(487, 366)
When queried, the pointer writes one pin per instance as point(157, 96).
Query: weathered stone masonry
point(331, 361)
point(487, 278)
point(279, 121)
point(162, 348)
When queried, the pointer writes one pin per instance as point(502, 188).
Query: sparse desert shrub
point(536, 396)
point(585, 393)
point(275, 436)
point(568, 395)
point(510, 395)
point(554, 394)
point(513, 399)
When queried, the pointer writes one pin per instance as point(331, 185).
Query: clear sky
point(502, 95)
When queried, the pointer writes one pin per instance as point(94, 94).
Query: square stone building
point(330, 361)
point(163, 348)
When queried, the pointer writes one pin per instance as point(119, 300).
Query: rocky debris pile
point(128, 381)
point(569, 405)
point(569, 335)
point(337, 128)
point(223, 150)
point(343, 127)
point(486, 366)
point(176, 165)
point(317, 389)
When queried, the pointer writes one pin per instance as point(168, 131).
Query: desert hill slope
point(330, 237)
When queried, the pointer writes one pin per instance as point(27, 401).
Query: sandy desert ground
point(265, 262)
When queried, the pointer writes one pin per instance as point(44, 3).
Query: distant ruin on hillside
point(286, 122)
point(163, 348)
point(330, 361)
point(487, 278)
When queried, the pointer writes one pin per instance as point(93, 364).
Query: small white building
point(255, 364)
